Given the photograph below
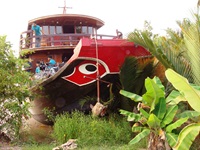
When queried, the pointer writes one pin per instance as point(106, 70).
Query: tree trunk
point(155, 142)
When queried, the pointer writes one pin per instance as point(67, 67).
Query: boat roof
point(67, 19)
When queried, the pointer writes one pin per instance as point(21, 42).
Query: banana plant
point(157, 118)
point(191, 94)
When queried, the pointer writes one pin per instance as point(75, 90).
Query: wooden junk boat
point(88, 57)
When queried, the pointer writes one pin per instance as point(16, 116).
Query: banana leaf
point(130, 115)
point(130, 95)
point(153, 122)
point(176, 124)
point(187, 136)
point(144, 113)
point(153, 94)
point(171, 139)
point(160, 108)
point(159, 83)
point(169, 116)
point(182, 85)
point(175, 97)
point(188, 113)
point(138, 128)
point(140, 136)
point(194, 115)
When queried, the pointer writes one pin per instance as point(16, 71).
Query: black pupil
point(90, 68)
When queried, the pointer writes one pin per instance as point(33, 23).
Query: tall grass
point(91, 131)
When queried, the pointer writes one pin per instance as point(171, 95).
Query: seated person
point(42, 65)
point(52, 62)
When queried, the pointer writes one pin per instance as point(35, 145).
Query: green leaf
point(153, 94)
point(144, 113)
point(176, 124)
point(189, 114)
point(153, 122)
point(131, 116)
point(160, 108)
point(175, 97)
point(138, 128)
point(187, 136)
point(159, 83)
point(139, 136)
point(169, 116)
point(171, 139)
point(130, 95)
point(180, 83)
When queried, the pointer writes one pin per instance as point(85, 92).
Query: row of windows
point(67, 29)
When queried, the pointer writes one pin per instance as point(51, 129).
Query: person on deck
point(37, 69)
point(52, 62)
point(37, 31)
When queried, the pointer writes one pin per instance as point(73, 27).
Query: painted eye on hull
point(88, 68)
point(85, 72)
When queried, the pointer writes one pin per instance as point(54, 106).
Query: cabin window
point(84, 29)
point(78, 29)
point(90, 31)
point(58, 29)
point(45, 29)
point(68, 29)
point(52, 29)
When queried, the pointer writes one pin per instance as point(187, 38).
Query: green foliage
point(159, 119)
point(170, 50)
point(49, 113)
point(14, 89)
point(163, 116)
point(187, 136)
point(91, 131)
point(38, 147)
point(133, 72)
point(191, 36)
point(191, 94)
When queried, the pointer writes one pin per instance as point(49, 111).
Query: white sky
point(124, 15)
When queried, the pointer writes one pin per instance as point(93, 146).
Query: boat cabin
point(60, 35)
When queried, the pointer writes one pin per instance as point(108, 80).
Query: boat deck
point(55, 41)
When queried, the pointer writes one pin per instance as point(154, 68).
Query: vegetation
point(177, 50)
point(91, 131)
point(158, 117)
point(113, 132)
point(14, 89)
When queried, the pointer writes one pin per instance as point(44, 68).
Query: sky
point(124, 15)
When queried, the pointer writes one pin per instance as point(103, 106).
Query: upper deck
point(62, 30)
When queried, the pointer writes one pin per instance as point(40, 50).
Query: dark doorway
point(66, 56)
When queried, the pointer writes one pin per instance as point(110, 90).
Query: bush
point(91, 131)
point(14, 89)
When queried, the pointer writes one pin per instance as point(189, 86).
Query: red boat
point(91, 61)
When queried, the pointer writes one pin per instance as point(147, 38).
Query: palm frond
point(191, 35)
point(170, 51)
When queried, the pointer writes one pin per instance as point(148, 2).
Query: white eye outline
point(83, 69)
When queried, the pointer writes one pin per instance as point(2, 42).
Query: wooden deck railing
point(27, 39)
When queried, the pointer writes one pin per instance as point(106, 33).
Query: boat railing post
point(32, 39)
point(52, 40)
point(70, 40)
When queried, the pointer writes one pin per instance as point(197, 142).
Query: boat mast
point(97, 64)
point(65, 7)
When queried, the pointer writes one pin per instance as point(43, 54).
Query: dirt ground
point(31, 127)
point(7, 146)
